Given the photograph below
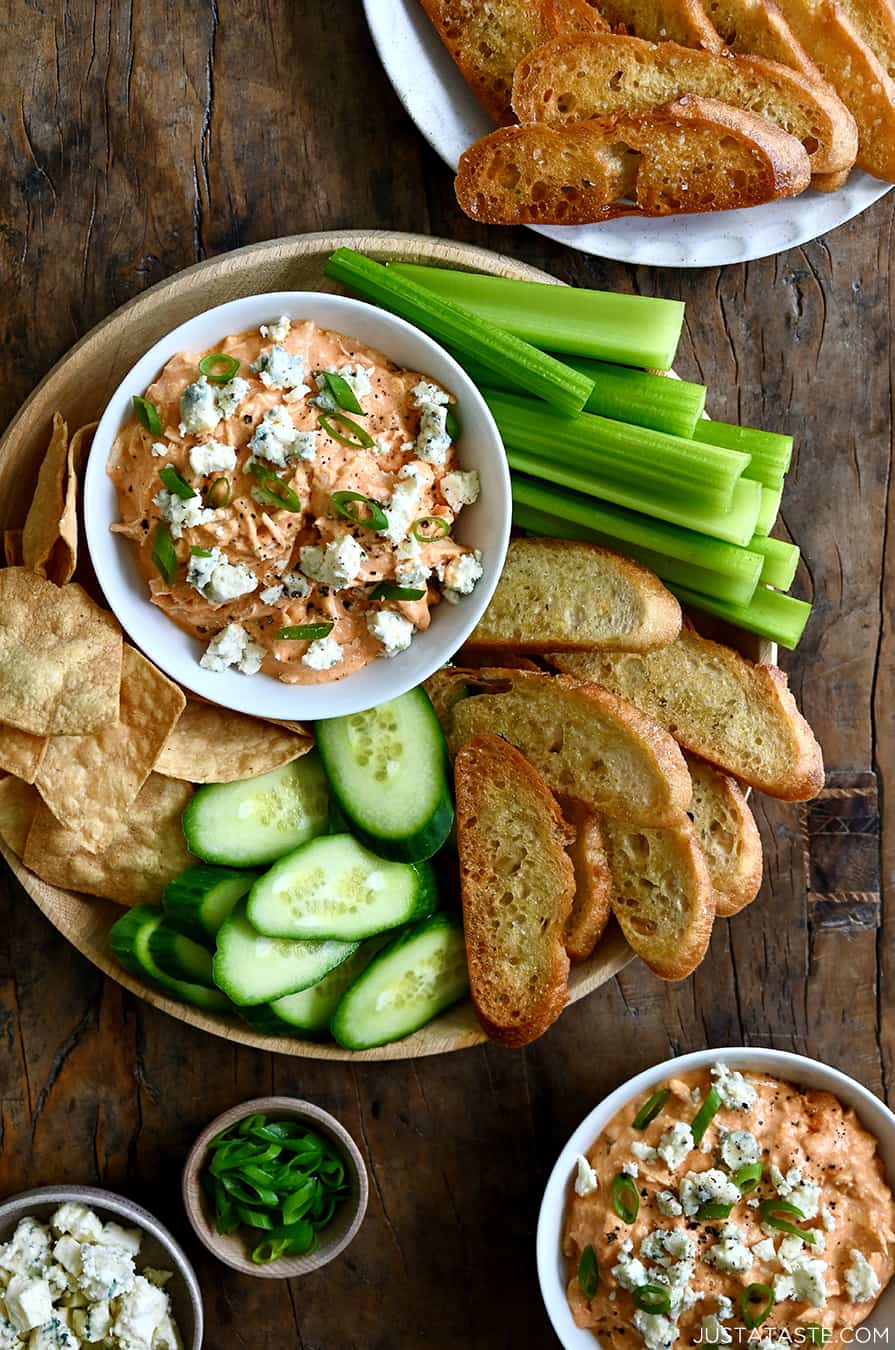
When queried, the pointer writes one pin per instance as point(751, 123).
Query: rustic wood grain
point(139, 139)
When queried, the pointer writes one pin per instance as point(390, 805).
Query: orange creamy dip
point(268, 540)
point(794, 1129)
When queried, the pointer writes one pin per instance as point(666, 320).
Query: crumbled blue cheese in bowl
point(75, 1281)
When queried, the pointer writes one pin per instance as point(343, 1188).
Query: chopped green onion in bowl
point(218, 367)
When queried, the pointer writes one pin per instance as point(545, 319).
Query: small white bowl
point(808, 1073)
point(485, 526)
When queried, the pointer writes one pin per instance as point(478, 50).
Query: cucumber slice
point(259, 819)
point(335, 888)
point(388, 769)
point(309, 1012)
point(417, 976)
point(254, 969)
point(130, 941)
point(200, 899)
point(180, 957)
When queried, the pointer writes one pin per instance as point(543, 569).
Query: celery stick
point(638, 396)
point(768, 446)
point(737, 590)
point(667, 465)
point(528, 368)
point(632, 330)
point(769, 510)
point(735, 526)
point(781, 561)
point(765, 470)
point(779, 618)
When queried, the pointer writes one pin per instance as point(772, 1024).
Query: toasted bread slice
point(584, 741)
point(517, 884)
point(445, 688)
point(874, 21)
point(488, 41)
point(693, 155)
point(479, 658)
point(561, 595)
point(593, 881)
point(683, 21)
point(759, 28)
point(728, 835)
point(662, 896)
point(842, 55)
point(730, 711)
point(575, 79)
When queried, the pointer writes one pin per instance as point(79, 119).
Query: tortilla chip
point(146, 852)
point(298, 727)
point(42, 524)
point(64, 557)
point(213, 745)
point(89, 782)
point(21, 753)
point(60, 657)
point(18, 804)
point(12, 547)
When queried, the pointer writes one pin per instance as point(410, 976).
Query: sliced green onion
point(757, 1303)
point(357, 438)
point(174, 483)
point(588, 1272)
point(530, 370)
point(428, 528)
point(164, 555)
point(779, 618)
point(625, 1197)
point(304, 632)
point(218, 367)
point(147, 415)
point(652, 1298)
point(770, 1212)
point(705, 1115)
point(651, 1108)
point(714, 1209)
point(218, 493)
point(633, 330)
point(451, 425)
point(386, 590)
point(273, 490)
point(748, 1177)
point(198, 552)
point(345, 504)
point(342, 393)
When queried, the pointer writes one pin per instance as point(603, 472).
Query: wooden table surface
point(139, 138)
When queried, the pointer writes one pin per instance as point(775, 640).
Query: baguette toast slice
point(575, 79)
point(591, 908)
point(683, 21)
point(759, 28)
point(662, 896)
point(728, 835)
point(693, 155)
point(517, 884)
point(844, 58)
point(487, 42)
point(560, 595)
point(738, 715)
point(584, 742)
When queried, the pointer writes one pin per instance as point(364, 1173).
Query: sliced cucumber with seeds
point(414, 979)
point(259, 819)
point(200, 899)
point(335, 888)
point(180, 957)
point(130, 940)
point(254, 969)
point(309, 1012)
point(388, 770)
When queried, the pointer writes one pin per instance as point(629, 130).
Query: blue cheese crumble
point(233, 647)
point(392, 630)
point(217, 579)
point(861, 1280)
point(322, 654)
point(585, 1177)
point(278, 369)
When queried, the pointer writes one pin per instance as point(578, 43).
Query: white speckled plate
point(450, 117)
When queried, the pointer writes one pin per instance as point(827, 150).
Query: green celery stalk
point(529, 369)
point(768, 446)
point(779, 618)
point(781, 561)
point(657, 401)
point(737, 590)
point(631, 330)
point(769, 510)
point(736, 526)
point(635, 456)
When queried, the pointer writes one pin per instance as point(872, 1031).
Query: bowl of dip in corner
point(159, 1249)
point(802, 1072)
point(484, 526)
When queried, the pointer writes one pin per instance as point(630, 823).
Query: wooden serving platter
point(79, 387)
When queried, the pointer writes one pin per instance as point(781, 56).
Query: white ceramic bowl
point(808, 1073)
point(159, 1248)
point(485, 526)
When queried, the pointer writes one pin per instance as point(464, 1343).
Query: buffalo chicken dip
point(293, 495)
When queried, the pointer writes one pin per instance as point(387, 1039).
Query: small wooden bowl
point(234, 1249)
